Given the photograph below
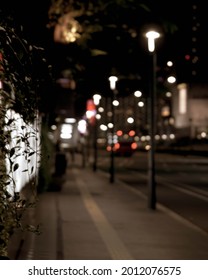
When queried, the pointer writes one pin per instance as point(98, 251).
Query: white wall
point(26, 154)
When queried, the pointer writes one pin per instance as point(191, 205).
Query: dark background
point(133, 68)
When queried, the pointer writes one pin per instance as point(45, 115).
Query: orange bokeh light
point(132, 133)
point(134, 146)
point(119, 132)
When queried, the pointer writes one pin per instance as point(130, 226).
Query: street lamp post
point(113, 80)
point(151, 36)
point(96, 100)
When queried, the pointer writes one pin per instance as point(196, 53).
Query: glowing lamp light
point(108, 148)
point(187, 57)
point(110, 125)
point(103, 127)
point(96, 99)
point(132, 133)
point(113, 80)
point(171, 79)
point(119, 132)
point(169, 63)
point(91, 111)
point(117, 146)
point(82, 126)
point(141, 104)
point(67, 30)
point(90, 114)
point(115, 103)
point(66, 131)
point(134, 146)
point(70, 120)
point(130, 120)
point(137, 93)
point(151, 36)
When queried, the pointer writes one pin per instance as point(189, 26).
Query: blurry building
point(190, 105)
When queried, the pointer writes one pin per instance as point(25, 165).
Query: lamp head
point(151, 36)
point(113, 80)
point(96, 99)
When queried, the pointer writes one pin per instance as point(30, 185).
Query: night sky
point(34, 17)
point(187, 47)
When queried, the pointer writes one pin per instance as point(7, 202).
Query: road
point(181, 182)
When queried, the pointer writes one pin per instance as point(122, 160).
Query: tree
point(20, 99)
point(106, 37)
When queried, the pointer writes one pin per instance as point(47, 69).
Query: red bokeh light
point(187, 57)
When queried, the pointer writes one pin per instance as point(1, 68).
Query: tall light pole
point(151, 36)
point(96, 100)
point(113, 80)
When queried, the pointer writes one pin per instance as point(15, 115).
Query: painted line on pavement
point(114, 244)
point(167, 210)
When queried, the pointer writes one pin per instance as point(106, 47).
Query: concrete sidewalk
point(92, 219)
